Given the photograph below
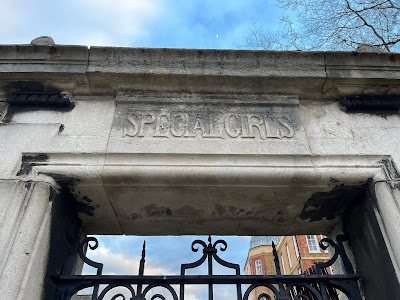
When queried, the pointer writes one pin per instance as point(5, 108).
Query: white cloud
point(119, 263)
point(122, 264)
point(82, 22)
point(122, 17)
point(11, 17)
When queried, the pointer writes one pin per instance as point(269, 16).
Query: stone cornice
point(109, 70)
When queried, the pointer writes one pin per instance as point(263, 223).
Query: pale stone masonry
point(192, 141)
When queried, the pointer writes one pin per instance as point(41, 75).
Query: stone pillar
point(372, 227)
point(24, 238)
point(387, 198)
point(34, 221)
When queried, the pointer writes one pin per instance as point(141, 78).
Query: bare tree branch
point(368, 25)
point(331, 25)
point(392, 5)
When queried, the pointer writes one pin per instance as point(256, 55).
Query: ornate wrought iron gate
point(282, 287)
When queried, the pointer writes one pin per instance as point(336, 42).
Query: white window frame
point(288, 255)
point(311, 239)
point(258, 266)
point(296, 248)
point(283, 265)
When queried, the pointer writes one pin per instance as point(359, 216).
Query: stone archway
point(237, 142)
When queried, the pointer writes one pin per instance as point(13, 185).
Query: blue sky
point(176, 250)
point(215, 24)
point(164, 256)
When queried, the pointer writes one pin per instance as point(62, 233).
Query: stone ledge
point(202, 62)
point(110, 70)
point(35, 58)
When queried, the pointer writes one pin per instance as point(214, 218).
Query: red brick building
point(296, 254)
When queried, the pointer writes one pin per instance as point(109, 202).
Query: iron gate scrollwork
point(281, 287)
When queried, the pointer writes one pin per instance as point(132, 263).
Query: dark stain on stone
point(239, 211)
point(80, 204)
point(332, 204)
point(30, 86)
point(18, 109)
point(392, 58)
point(84, 198)
point(392, 172)
point(27, 185)
point(390, 168)
point(153, 210)
point(222, 210)
point(333, 180)
point(135, 216)
point(67, 182)
point(52, 50)
point(28, 161)
point(280, 216)
point(53, 195)
point(65, 232)
point(84, 208)
point(355, 53)
point(61, 129)
point(379, 105)
point(371, 254)
point(25, 96)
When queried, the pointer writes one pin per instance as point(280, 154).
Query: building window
point(296, 248)
point(258, 267)
point(283, 265)
point(288, 255)
point(312, 243)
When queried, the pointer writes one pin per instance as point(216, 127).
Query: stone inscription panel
point(205, 123)
point(207, 127)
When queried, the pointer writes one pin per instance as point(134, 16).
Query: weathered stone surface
point(62, 67)
point(24, 236)
point(43, 41)
point(105, 70)
point(367, 48)
point(174, 141)
point(215, 125)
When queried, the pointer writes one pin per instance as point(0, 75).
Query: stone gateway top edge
point(108, 70)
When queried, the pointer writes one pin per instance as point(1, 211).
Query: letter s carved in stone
point(131, 127)
point(284, 123)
